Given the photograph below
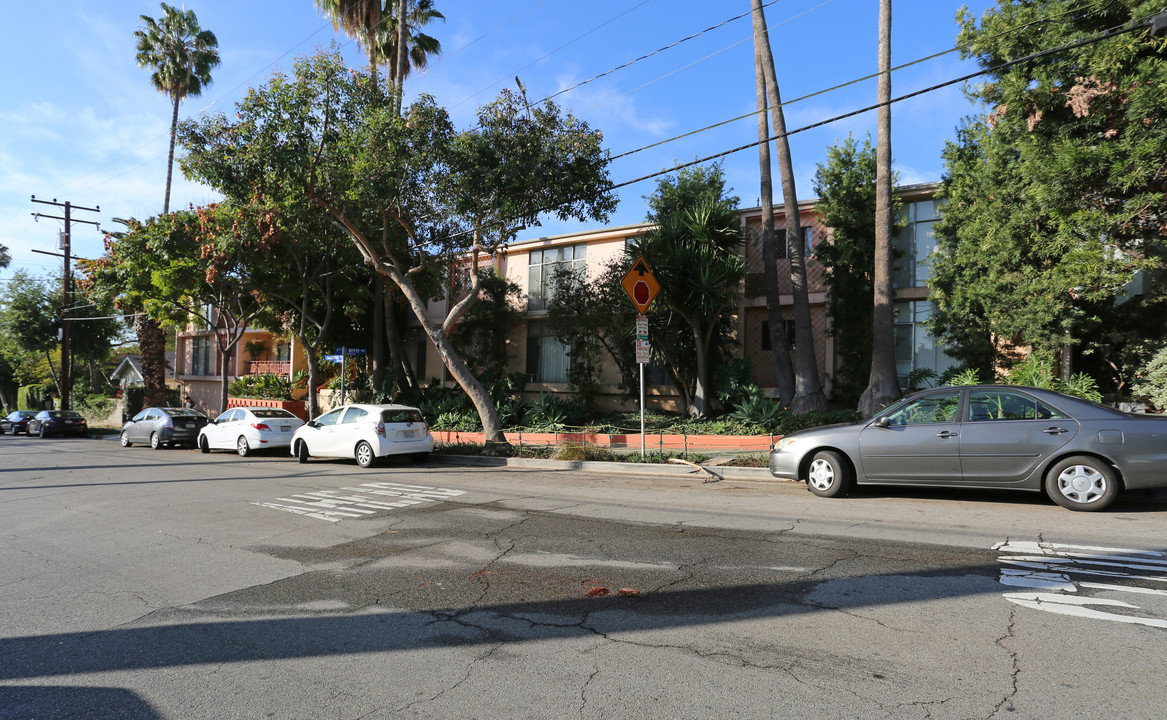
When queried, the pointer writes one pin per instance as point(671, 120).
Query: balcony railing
point(260, 367)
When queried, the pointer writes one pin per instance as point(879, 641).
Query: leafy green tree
point(330, 139)
point(591, 316)
point(846, 188)
point(193, 264)
point(1057, 196)
point(5, 258)
point(30, 318)
point(309, 273)
point(694, 252)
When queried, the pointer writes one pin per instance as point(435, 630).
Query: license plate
point(408, 434)
point(188, 425)
point(285, 428)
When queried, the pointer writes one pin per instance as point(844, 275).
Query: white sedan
point(247, 429)
point(366, 433)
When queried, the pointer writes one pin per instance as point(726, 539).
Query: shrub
point(31, 397)
point(1152, 381)
point(266, 386)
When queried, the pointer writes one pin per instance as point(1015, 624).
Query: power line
point(654, 52)
point(1027, 58)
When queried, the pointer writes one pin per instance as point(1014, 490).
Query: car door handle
point(1055, 431)
point(946, 434)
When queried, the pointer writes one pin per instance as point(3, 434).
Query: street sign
point(640, 285)
point(350, 351)
point(334, 358)
point(643, 351)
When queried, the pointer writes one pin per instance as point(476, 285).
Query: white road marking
point(1055, 571)
point(361, 501)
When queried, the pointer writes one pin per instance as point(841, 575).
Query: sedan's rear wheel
point(155, 441)
point(204, 444)
point(829, 475)
point(126, 438)
point(302, 451)
point(364, 454)
point(1082, 483)
point(242, 447)
point(43, 433)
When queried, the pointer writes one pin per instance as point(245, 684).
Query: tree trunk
point(883, 386)
point(310, 353)
point(152, 349)
point(402, 56)
point(378, 349)
point(487, 412)
point(783, 368)
point(808, 390)
point(224, 383)
point(398, 360)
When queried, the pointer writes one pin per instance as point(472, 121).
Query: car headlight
point(785, 443)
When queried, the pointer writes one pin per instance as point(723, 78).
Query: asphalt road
point(169, 584)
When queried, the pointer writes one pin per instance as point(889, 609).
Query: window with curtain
point(542, 266)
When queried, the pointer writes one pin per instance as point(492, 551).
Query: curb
point(719, 472)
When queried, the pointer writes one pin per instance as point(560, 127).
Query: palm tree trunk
point(808, 390)
point(152, 349)
point(783, 368)
point(883, 386)
point(170, 158)
point(402, 56)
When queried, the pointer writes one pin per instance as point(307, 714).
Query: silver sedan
point(1081, 454)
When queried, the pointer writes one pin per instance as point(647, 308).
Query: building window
point(200, 356)
point(547, 359)
point(915, 346)
point(807, 242)
point(913, 245)
point(543, 264)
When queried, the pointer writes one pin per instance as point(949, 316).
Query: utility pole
point(66, 289)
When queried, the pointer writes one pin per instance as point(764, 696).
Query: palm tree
point(883, 385)
point(5, 258)
point(359, 19)
point(181, 55)
point(808, 390)
point(418, 46)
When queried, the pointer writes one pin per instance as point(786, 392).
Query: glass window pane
point(936, 408)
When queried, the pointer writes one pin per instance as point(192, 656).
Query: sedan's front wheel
point(155, 441)
point(126, 438)
point(1082, 483)
point(302, 451)
point(829, 475)
point(204, 444)
point(365, 456)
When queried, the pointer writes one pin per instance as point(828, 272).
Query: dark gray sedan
point(1079, 453)
point(162, 426)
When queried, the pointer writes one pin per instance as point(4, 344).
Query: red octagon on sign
point(640, 285)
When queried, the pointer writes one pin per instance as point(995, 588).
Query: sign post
point(341, 354)
point(642, 289)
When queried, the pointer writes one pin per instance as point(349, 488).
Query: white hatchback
point(246, 429)
point(366, 433)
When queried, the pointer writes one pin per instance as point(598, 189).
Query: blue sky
point(79, 121)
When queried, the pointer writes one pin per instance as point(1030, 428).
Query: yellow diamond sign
point(640, 285)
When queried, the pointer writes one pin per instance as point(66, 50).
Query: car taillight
point(169, 425)
point(380, 428)
point(261, 426)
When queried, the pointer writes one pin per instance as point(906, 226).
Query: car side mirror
point(312, 423)
point(881, 422)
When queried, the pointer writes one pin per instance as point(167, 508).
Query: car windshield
point(271, 413)
point(407, 415)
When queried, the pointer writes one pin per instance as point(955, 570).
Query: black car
point(161, 426)
point(16, 422)
point(58, 422)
